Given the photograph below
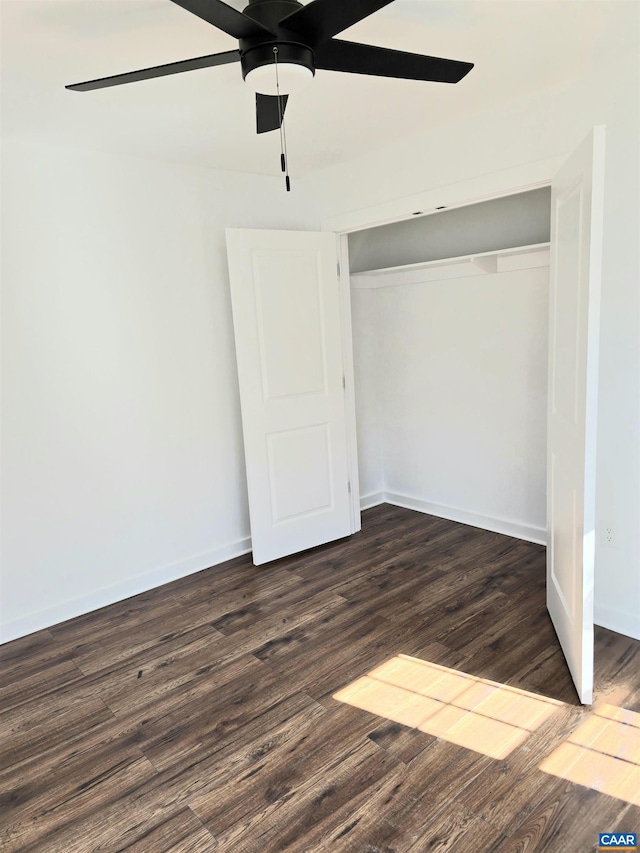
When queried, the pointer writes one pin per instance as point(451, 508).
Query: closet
point(450, 329)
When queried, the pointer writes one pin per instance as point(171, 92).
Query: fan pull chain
point(283, 133)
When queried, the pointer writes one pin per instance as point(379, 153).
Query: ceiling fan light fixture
point(291, 78)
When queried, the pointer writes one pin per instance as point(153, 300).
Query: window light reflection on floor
point(603, 753)
point(475, 713)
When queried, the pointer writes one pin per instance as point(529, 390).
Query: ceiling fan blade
point(224, 17)
point(268, 113)
point(319, 20)
point(158, 71)
point(339, 55)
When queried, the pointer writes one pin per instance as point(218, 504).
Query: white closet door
point(287, 318)
point(574, 318)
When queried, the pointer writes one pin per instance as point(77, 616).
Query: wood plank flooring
point(201, 716)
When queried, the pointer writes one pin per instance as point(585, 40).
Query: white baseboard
point(374, 499)
point(104, 596)
point(622, 622)
point(527, 532)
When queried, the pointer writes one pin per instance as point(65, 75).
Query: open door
point(286, 300)
point(574, 317)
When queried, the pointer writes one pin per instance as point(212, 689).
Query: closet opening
point(450, 332)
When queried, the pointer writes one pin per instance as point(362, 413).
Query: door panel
point(574, 319)
point(299, 462)
point(287, 320)
point(288, 285)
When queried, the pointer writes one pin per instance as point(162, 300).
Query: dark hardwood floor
point(201, 716)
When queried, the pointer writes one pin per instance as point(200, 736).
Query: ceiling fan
point(282, 43)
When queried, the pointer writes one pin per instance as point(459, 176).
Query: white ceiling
point(207, 117)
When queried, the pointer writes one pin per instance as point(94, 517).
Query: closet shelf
point(482, 263)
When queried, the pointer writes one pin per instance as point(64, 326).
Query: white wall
point(461, 379)
point(122, 449)
point(368, 392)
point(480, 151)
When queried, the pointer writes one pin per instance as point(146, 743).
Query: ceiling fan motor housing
point(288, 53)
point(258, 51)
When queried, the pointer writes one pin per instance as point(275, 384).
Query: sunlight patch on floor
point(603, 753)
point(475, 713)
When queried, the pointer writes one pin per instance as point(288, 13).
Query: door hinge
point(349, 486)
point(338, 268)
point(344, 383)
